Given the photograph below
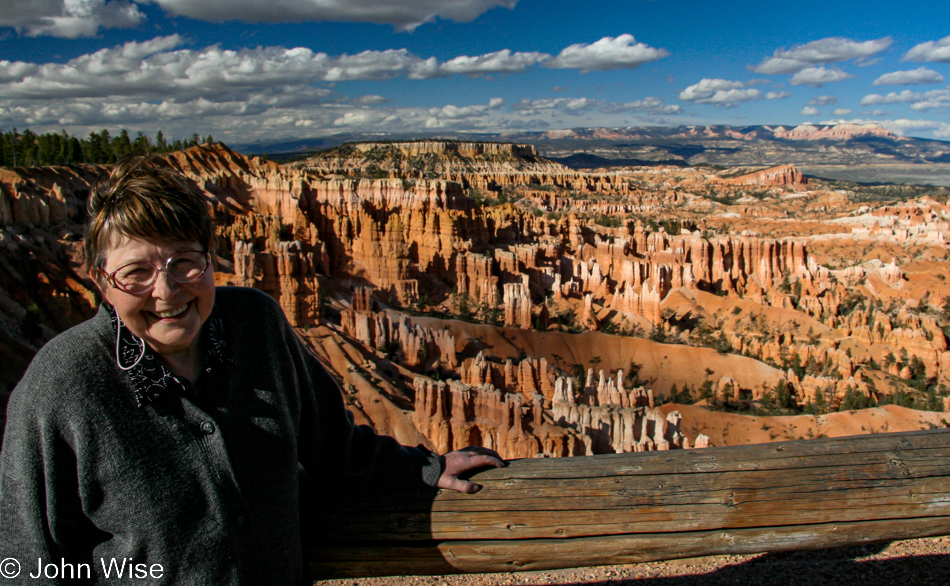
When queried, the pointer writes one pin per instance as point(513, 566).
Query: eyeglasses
point(140, 277)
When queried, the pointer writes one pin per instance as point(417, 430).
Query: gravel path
point(919, 562)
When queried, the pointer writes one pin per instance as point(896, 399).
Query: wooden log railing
point(628, 508)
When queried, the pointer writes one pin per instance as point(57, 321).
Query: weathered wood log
point(626, 508)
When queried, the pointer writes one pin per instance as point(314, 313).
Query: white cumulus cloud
point(820, 52)
point(777, 95)
point(818, 76)
point(498, 62)
point(456, 113)
point(938, 51)
point(68, 18)
point(15, 70)
point(809, 111)
point(463, 116)
point(720, 92)
point(914, 76)
point(842, 111)
point(622, 52)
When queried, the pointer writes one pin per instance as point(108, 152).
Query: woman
point(166, 435)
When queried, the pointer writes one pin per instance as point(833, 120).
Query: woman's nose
point(165, 286)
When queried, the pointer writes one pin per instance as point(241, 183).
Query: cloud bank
point(918, 101)
point(161, 68)
point(69, 19)
point(84, 18)
point(278, 91)
point(403, 15)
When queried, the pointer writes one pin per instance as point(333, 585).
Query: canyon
point(478, 293)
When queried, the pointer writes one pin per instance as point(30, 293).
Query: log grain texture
point(539, 514)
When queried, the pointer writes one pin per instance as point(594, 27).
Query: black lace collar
point(148, 374)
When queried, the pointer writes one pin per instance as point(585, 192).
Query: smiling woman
point(172, 431)
point(144, 226)
point(166, 312)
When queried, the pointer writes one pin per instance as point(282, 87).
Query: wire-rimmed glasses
point(138, 278)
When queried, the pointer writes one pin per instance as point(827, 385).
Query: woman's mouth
point(173, 312)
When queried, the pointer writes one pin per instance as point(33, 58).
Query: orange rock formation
point(795, 297)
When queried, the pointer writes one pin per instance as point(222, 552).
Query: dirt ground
point(917, 561)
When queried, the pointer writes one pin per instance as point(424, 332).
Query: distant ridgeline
point(28, 149)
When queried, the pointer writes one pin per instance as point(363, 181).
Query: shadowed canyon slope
point(478, 293)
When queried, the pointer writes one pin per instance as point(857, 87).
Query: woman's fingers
point(463, 460)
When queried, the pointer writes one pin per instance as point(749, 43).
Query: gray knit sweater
point(196, 484)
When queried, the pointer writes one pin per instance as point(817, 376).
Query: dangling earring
point(118, 340)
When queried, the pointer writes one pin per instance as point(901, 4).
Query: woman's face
point(170, 316)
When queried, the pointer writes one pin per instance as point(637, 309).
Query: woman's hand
point(464, 460)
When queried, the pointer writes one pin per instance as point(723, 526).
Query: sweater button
point(207, 427)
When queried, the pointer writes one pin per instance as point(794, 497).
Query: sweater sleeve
point(40, 510)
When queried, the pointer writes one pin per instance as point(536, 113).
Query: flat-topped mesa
point(482, 167)
point(445, 147)
point(833, 132)
point(780, 176)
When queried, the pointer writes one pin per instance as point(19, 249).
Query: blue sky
point(246, 70)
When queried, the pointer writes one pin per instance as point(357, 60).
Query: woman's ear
point(102, 284)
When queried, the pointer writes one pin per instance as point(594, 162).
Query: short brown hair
point(141, 197)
